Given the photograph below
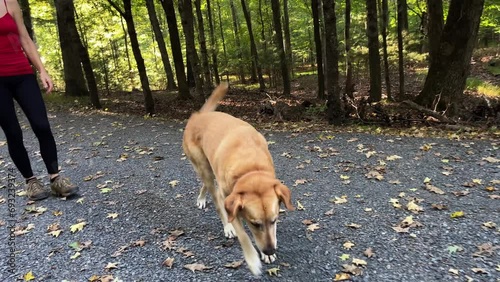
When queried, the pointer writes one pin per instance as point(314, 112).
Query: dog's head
point(257, 201)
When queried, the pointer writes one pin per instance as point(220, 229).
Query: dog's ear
point(284, 195)
point(233, 204)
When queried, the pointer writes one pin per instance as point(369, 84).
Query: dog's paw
point(255, 266)
point(267, 259)
point(229, 231)
point(201, 202)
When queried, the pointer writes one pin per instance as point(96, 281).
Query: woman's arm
point(28, 45)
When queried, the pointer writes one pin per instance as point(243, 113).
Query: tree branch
point(429, 112)
point(117, 8)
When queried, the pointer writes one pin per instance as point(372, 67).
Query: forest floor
point(479, 110)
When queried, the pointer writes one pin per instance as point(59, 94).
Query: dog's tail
point(217, 95)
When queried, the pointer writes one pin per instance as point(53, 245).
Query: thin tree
point(187, 20)
point(236, 26)
point(385, 19)
point(288, 40)
point(253, 47)
point(450, 67)
point(373, 51)
point(319, 51)
point(434, 28)
point(126, 13)
point(349, 85)
point(203, 46)
point(213, 44)
point(161, 44)
point(401, 68)
point(175, 44)
point(275, 5)
point(223, 40)
point(335, 112)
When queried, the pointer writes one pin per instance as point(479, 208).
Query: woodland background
point(393, 61)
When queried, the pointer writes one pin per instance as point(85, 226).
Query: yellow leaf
point(111, 265)
point(489, 224)
point(395, 203)
point(273, 271)
point(339, 201)
point(344, 257)
point(344, 177)
point(427, 180)
point(412, 206)
point(342, 277)
point(453, 271)
point(57, 213)
point(29, 276)
point(76, 255)
point(313, 227)
point(173, 183)
point(457, 214)
point(477, 181)
point(348, 245)
point(393, 158)
point(112, 215)
point(300, 207)
point(77, 227)
point(80, 201)
point(358, 262)
point(55, 233)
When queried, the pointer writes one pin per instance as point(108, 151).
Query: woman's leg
point(12, 129)
point(29, 97)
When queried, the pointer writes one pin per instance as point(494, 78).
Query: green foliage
point(483, 87)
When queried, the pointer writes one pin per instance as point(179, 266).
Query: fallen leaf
point(393, 158)
point(479, 270)
point(111, 265)
point(112, 215)
point(300, 207)
point(313, 227)
point(359, 262)
point(173, 183)
point(329, 212)
point(453, 249)
point(29, 276)
point(55, 233)
point(300, 181)
point(492, 160)
point(439, 207)
point(339, 201)
point(348, 245)
point(169, 262)
point(75, 256)
point(461, 193)
point(77, 227)
point(434, 189)
point(374, 174)
point(234, 264)
point(196, 266)
point(354, 225)
point(342, 277)
point(413, 207)
point(490, 224)
point(352, 269)
point(453, 271)
point(369, 253)
point(457, 214)
point(344, 257)
point(400, 229)
point(273, 271)
point(395, 203)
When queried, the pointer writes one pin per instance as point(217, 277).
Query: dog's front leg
point(249, 252)
point(229, 231)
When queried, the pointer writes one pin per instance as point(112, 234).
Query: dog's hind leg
point(204, 172)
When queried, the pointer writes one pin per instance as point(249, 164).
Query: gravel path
point(138, 196)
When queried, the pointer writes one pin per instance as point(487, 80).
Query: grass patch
point(60, 99)
point(483, 87)
point(494, 70)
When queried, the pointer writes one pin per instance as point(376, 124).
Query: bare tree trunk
point(404, 14)
point(223, 41)
point(25, 7)
point(275, 5)
point(213, 44)
point(385, 19)
point(401, 66)
point(335, 111)
point(435, 28)
point(319, 51)
point(203, 46)
point(73, 73)
point(288, 40)
point(264, 41)
point(141, 67)
point(253, 47)
point(446, 79)
point(175, 44)
point(349, 85)
point(373, 50)
point(236, 26)
point(161, 44)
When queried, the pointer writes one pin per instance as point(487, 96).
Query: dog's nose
point(269, 251)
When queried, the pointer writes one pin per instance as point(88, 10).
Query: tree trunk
point(213, 44)
point(236, 26)
point(223, 41)
point(203, 46)
point(25, 7)
point(335, 112)
point(445, 81)
point(385, 19)
point(175, 44)
point(73, 73)
point(161, 44)
point(401, 66)
point(275, 5)
point(349, 85)
point(186, 11)
point(253, 47)
point(404, 14)
point(434, 28)
point(134, 42)
point(288, 40)
point(127, 54)
point(319, 51)
point(373, 51)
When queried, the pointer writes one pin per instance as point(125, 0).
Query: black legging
point(25, 90)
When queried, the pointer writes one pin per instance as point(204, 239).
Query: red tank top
point(13, 61)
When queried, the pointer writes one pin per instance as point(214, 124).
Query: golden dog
point(232, 152)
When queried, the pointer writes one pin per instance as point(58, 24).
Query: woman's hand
point(47, 83)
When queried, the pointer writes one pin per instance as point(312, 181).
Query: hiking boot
point(35, 190)
point(62, 187)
